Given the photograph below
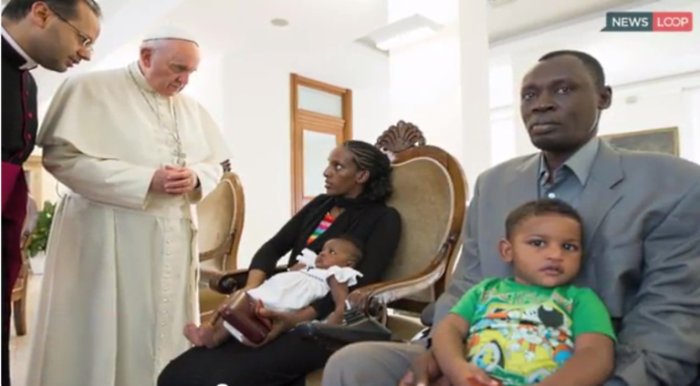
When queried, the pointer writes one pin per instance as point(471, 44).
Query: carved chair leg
point(20, 314)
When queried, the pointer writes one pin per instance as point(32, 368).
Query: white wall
point(207, 85)
point(439, 83)
point(632, 68)
point(257, 117)
point(658, 105)
point(426, 90)
point(654, 104)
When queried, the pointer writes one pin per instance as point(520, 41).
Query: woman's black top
point(376, 225)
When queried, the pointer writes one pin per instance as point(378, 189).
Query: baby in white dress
point(312, 278)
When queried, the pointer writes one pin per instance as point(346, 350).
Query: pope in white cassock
point(120, 278)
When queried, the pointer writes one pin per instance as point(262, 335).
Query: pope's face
point(168, 66)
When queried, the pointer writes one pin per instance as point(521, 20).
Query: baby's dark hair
point(356, 253)
point(539, 208)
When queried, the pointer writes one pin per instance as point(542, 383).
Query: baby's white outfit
point(294, 290)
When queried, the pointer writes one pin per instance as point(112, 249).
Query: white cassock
point(121, 268)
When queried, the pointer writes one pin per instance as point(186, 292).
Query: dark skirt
point(282, 362)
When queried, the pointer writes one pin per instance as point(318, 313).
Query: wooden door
point(321, 120)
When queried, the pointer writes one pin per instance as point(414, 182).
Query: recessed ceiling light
point(498, 3)
point(404, 32)
point(279, 22)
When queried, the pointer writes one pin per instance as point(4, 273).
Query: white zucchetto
point(169, 32)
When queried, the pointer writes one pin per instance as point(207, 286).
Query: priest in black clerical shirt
point(54, 34)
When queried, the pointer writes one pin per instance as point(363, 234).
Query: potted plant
point(40, 237)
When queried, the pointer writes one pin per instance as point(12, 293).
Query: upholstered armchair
point(430, 194)
point(19, 292)
point(220, 217)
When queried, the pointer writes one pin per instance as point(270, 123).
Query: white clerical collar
point(139, 78)
point(31, 64)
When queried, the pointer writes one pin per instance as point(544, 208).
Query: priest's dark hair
point(16, 10)
point(595, 69)
point(369, 158)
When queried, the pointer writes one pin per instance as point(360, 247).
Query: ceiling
point(508, 18)
point(240, 26)
point(522, 16)
point(245, 25)
point(645, 55)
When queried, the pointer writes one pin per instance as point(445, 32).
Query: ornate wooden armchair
point(221, 216)
point(430, 194)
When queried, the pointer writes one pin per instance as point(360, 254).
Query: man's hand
point(423, 372)
point(469, 374)
point(160, 178)
point(173, 180)
point(179, 180)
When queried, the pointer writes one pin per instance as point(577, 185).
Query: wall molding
point(678, 83)
point(661, 85)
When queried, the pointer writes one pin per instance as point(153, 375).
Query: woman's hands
point(336, 317)
point(282, 322)
point(358, 299)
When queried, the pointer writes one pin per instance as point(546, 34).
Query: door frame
point(308, 120)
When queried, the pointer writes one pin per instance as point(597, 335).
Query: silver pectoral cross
point(181, 158)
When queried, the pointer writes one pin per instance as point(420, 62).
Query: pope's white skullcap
point(169, 32)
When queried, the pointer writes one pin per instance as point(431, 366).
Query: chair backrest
point(28, 227)
point(30, 221)
point(221, 216)
point(430, 193)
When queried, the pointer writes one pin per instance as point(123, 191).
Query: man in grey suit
point(641, 215)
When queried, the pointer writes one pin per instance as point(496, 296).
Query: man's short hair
point(18, 9)
point(540, 207)
point(595, 69)
point(357, 248)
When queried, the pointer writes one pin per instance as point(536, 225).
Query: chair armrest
point(426, 316)
point(228, 282)
point(392, 290)
point(359, 326)
point(206, 274)
point(335, 337)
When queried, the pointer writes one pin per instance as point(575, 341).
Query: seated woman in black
point(357, 185)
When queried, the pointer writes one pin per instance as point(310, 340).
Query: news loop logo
point(648, 22)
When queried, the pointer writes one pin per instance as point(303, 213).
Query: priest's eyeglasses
point(85, 40)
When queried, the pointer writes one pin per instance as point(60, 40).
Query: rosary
point(180, 156)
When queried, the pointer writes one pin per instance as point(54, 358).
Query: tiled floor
point(19, 345)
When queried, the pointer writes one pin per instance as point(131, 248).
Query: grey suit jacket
point(641, 215)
